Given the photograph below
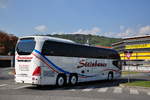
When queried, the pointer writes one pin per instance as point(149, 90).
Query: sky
point(111, 18)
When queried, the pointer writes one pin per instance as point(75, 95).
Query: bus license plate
point(24, 67)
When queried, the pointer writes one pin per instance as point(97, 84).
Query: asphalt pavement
point(98, 90)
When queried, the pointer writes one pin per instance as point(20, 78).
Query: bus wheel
point(60, 80)
point(73, 79)
point(110, 76)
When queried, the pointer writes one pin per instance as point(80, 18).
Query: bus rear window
point(25, 46)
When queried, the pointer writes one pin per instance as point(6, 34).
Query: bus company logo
point(84, 63)
point(24, 58)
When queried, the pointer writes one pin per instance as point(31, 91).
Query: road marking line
point(102, 90)
point(134, 91)
point(75, 88)
point(20, 87)
point(117, 90)
point(72, 90)
point(148, 93)
point(3, 85)
point(87, 90)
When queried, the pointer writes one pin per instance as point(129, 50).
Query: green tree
point(7, 43)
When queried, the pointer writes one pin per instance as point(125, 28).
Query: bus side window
point(52, 48)
point(47, 48)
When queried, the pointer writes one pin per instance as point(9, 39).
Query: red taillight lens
point(37, 72)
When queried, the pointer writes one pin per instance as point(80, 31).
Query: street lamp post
point(128, 55)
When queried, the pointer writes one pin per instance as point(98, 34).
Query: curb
point(11, 73)
point(137, 87)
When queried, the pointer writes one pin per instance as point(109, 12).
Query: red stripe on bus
point(46, 63)
point(83, 76)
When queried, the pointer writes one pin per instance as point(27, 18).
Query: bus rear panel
point(27, 69)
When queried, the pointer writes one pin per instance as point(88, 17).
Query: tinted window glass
point(25, 46)
point(53, 48)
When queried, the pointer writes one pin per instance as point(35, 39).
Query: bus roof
point(101, 50)
point(44, 38)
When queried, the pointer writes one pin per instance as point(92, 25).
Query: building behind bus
point(139, 49)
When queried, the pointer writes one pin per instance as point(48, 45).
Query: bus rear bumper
point(28, 80)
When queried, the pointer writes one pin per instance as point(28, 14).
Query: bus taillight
point(37, 72)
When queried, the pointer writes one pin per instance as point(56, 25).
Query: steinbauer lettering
point(83, 63)
point(27, 58)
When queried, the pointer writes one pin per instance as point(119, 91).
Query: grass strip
point(127, 72)
point(138, 83)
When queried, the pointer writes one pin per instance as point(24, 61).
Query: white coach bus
point(43, 60)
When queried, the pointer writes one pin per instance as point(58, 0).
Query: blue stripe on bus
point(57, 67)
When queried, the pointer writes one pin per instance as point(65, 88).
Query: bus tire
point(73, 79)
point(61, 80)
point(110, 76)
